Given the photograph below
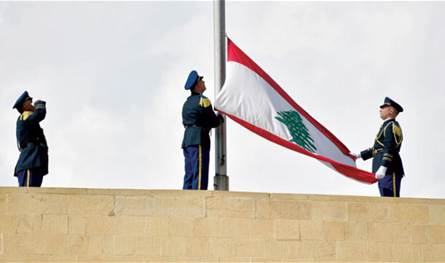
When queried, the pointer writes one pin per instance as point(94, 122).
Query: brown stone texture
point(93, 225)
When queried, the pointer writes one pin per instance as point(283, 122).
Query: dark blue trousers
point(30, 177)
point(390, 185)
point(196, 167)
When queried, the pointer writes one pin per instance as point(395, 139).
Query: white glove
point(381, 172)
point(40, 104)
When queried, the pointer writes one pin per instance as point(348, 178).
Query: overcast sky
point(113, 75)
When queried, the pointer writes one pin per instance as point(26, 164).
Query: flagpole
point(221, 180)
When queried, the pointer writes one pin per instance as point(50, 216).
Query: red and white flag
point(254, 100)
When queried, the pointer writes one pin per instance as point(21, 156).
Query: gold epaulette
point(25, 115)
point(204, 102)
point(397, 131)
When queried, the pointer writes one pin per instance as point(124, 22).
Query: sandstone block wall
point(90, 225)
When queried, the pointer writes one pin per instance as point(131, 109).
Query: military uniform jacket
point(198, 118)
point(386, 149)
point(32, 142)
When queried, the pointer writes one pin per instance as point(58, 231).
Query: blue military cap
point(389, 102)
point(192, 79)
point(19, 103)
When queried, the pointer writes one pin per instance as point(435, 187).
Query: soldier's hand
point(40, 104)
point(356, 155)
point(381, 172)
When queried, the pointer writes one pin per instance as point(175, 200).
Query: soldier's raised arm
point(210, 118)
point(39, 113)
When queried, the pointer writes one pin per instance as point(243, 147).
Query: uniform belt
point(189, 126)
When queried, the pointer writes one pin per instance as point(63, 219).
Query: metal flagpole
point(221, 180)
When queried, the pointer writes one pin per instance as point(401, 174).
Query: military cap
point(389, 102)
point(192, 79)
point(21, 100)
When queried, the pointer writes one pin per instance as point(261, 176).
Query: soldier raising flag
point(198, 119)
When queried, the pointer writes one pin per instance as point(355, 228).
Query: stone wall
point(90, 225)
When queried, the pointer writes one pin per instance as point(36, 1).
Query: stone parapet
point(103, 225)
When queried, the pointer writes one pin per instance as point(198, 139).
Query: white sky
point(113, 77)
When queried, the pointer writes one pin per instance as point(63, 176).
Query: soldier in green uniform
point(386, 163)
point(198, 119)
point(31, 142)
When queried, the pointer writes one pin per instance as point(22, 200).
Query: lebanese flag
point(254, 100)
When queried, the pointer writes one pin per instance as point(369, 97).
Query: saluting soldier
point(198, 119)
point(386, 162)
point(31, 142)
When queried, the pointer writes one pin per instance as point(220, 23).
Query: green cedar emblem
point(300, 133)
